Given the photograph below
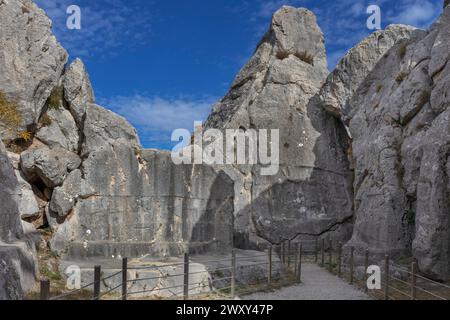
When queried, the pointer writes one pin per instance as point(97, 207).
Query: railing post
point(413, 280)
point(289, 254)
point(296, 256)
point(283, 252)
point(316, 250)
point(340, 259)
point(299, 266)
point(330, 256)
point(269, 272)
point(386, 277)
point(233, 274)
point(97, 276)
point(124, 278)
point(45, 289)
point(366, 266)
point(323, 253)
point(186, 276)
point(352, 263)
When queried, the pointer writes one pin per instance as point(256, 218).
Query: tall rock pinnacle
point(273, 92)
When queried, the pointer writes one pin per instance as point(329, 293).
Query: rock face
point(142, 202)
point(281, 88)
point(17, 256)
point(354, 67)
point(363, 153)
point(401, 138)
point(31, 60)
point(311, 193)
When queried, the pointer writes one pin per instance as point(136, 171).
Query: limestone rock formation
point(17, 255)
point(281, 88)
point(77, 89)
point(354, 67)
point(383, 111)
point(401, 134)
point(31, 60)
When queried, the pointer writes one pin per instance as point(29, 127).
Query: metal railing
point(291, 272)
point(409, 285)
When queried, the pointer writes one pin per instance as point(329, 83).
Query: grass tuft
point(10, 115)
point(56, 98)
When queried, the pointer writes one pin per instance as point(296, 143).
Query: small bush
point(55, 99)
point(305, 57)
point(25, 136)
point(282, 54)
point(302, 55)
point(401, 77)
point(379, 88)
point(402, 50)
point(424, 98)
point(9, 114)
point(45, 120)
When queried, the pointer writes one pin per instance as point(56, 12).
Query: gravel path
point(317, 284)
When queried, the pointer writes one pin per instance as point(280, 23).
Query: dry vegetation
point(56, 98)
point(424, 98)
point(9, 114)
point(401, 77)
point(402, 50)
point(302, 55)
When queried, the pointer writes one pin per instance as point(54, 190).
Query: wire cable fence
point(221, 278)
point(398, 282)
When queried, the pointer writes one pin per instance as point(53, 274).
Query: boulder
point(60, 130)
point(49, 166)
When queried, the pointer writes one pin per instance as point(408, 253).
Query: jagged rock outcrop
point(77, 90)
point(354, 67)
point(279, 89)
point(400, 125)
point(31, 60)
point(85, 175)
point(272, 92)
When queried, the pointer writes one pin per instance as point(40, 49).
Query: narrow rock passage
point(318, 284)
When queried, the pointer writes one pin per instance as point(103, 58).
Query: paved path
point(317, 284)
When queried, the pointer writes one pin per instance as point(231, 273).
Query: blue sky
point(163, 63)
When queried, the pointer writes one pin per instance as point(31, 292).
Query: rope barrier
point(72, 292)
point(434, 295)
point(398, 290)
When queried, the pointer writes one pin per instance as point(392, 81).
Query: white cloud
point(416, 13)
point(156, 117)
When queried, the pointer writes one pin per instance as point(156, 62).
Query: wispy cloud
point(156, 117)
point(106, 26)
point(417, 13)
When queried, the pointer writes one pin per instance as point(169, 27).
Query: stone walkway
point(317, 284)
